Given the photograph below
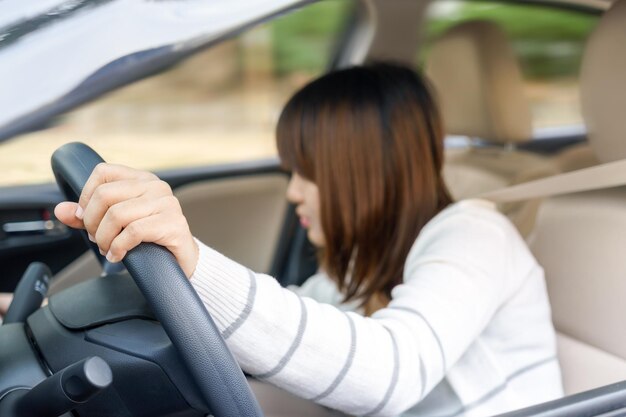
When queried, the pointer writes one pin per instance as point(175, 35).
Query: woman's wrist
point(194, 256)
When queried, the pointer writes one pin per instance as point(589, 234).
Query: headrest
point(603, 85)
point(479, 85)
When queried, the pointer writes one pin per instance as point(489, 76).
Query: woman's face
point(305, 195)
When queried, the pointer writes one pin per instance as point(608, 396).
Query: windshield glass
point(218, 106)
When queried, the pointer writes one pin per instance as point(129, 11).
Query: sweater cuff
point(224, 287)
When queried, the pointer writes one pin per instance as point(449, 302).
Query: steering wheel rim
point(91, 158)
point(174, 302)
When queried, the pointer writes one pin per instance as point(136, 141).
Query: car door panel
point(240, 217)
point(29, 232)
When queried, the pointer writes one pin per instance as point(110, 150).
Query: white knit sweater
point(467, 333)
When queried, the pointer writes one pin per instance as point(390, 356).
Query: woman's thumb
point(66, 213)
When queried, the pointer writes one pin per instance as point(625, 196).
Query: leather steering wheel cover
point(69, 165)
point(174, 302)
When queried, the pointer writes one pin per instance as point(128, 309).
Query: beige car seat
point(576, 157)
point(580, 239)
point(479, 87)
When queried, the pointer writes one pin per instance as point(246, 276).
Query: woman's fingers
point(5, 302)
point(109, 194)
point(145, 229)
point(66, 213)
point(106, 173)
point(120, 215)
point(163, 229)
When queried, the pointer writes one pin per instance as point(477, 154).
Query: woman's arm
point(380, 365)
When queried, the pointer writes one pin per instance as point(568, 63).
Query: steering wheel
point(174, 303)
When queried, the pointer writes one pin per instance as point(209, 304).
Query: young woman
point(423, 306)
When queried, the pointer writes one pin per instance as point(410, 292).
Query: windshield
point(55, 55)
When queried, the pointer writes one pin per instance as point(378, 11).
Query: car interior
point(591, 345)
point(569, 235)
point(486, 100)
point(478, 80)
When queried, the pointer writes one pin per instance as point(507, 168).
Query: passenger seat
point(479, 87)
point(580, 239)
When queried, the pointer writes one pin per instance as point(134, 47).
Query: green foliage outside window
point(303, 41)
point(538, 33)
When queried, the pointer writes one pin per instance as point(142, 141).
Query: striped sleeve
point(380, 365)
point(314, 350)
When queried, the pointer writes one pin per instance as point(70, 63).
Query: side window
point(218, 106)
point(549, 43)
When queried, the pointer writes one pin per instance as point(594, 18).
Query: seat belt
point(607, 175)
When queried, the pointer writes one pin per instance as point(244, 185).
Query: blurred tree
point(303, 41)
point(549, 40)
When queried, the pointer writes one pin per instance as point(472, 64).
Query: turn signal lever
point(29, 294)
point(61, 392)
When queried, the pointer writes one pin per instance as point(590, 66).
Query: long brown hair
point(371, 139)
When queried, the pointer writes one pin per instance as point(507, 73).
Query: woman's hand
point(121, 207)
point(5, 302)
